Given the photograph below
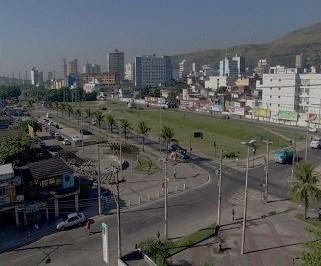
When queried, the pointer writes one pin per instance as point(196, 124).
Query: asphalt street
point(187, 212)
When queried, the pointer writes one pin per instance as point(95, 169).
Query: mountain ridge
point(281, 51)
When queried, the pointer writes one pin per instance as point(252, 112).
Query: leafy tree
point(78, 115)
point(111, 122)
point(143, 130)
point(23, 125)
point(157, 250)
point(99, 116)
point(62, 107)
point(7, 92)
point(167, 135)
point(125, 126)
point(92, 96)
point(16, 149)
point(69, 110)
point(304, 188)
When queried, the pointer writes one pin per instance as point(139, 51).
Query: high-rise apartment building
point(116, 63)
point(240, 61)
point(228, 67)
point(130, 71)
point(34, 76)
point(299, 61)
point(40, 77)
point(91, 68)
point(73, 67)
point(50, 75)
point(153, 71)
point(185, 68)
point(64, 68)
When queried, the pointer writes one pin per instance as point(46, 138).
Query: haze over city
point(41, 33)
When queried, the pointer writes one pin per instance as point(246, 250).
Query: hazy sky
point(42, 32)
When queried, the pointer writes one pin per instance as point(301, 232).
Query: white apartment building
point(215, 82)
point(92, 86)
point(184, 69)
point(130, 71)
point(290, 96)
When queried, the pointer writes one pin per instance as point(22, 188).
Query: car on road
point(56, 135)
point(75, 138)
point(60, 138)
point(66, 142)
point(93, 122)
point(283, 156)
point(71, 220)
point(313, 129)
point(85, 131)
point(54, 154)
point(51, 123)
point(316, 143)
point(175, 147)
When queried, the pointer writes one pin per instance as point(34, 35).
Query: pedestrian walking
point(158, 235)
point(88, 227)
point(233, 214)
point(174, 174)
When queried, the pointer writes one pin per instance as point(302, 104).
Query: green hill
point(281, 51)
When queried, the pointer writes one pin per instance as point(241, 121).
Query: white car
point(57, 135)
point(75, 138)
point(51, 123)
point(316, 143)
point(313, 129)
point(72, 219)
point(66, 142)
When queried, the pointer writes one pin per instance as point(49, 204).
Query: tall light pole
point(293, 159)
point(165, 202)
point(249, 144)
point(160, 129)
point(267, 169)
point(306, 142)
point(219, 191)
point(99, 187)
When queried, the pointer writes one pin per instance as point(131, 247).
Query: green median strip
point(192, 239)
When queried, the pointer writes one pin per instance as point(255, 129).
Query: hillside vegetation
point(281, 51)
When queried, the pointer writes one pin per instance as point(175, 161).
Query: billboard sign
point(237, 110)
point(262, 112)
point(288, 115)
point(314, 118)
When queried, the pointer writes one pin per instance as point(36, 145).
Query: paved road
point(187, 212)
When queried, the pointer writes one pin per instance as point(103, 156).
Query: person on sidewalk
point(158, 235)
point(174, 174)
point(233, 215)
point(88, 224)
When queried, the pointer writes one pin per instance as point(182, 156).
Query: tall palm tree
point(125, 126)
point(167, 134)
point(111, 122)
point(304, 188)
point(69, 110)
point(99, 116)
point(88, 115)
point(143, 131)
point(78, 115)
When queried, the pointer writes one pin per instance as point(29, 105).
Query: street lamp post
point(165, 202)
point(99, 187)
point(306, 142)
point(249, 144)
point(267, 169)
point(293, 159)
point(219, 191)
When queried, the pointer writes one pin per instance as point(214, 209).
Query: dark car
point(85, 131)
point(59, 138)
point(175, 147)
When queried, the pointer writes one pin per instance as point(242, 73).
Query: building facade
point(73, 67)
point(106, 79)
point(153, 71)
point(130, 71)
point(240, 62)
point(184, 69)
point(228, 67)
point(34, 76)
point(91, 68)
point(116, 63)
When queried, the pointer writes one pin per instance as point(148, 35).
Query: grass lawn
point(311, 221)
point(226, 133)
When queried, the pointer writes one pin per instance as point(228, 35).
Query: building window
point(279, 89)
point(270, 96)
point(279, 80)
point(278, 105)
point(270, 104)
point(271, 80)
point(3, 191)
point(279, 97)
point(44, 183)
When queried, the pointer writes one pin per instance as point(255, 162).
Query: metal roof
point(48, 168)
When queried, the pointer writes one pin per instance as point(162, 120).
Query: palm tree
point(69, 110)
point(78, 115)
point(99, 116)
point(88, 115)
point(167, 134)
point(304, 188)
point(125, 126)
point(111, 122)
point(143, 131)
point(62, 107)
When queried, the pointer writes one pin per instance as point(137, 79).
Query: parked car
point(71, 220)
point(60, 138)
point(283, 156)
point(75, 138)
point(66, 142)
point(57, 135)
point(175, 147)
point(51, 123)
point(316, 143)
point(52, 133)
point(54, 154)
point(57, 126)
point(85, 131)
point(93, 122)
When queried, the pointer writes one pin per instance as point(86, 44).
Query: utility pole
point(293, 159)
point(99, 188)
point(160, 130)
point(245, 197)
point(219, 191)
point(267, 169)
point(165, 214)
point(82, 135)
point(121, 161)
point(306, 143)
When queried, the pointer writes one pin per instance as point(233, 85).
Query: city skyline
point(43, 33)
